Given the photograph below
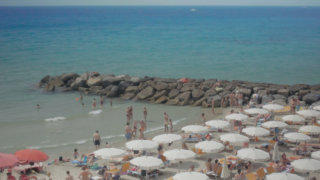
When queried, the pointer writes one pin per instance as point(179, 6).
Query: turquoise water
point(264, 44)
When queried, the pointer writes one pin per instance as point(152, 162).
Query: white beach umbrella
point(252, 154)
point(309, 113)
point(296, 137)
point(107, 153)
point(147, 162)
point(310, 129)
point(274, 124)
point(237, 117)
point(141, 145)
point(194, 129)
point(225, 170)
point(255, 131)
point(316, 155)
point(209, 146)
point(316, 108)
point(253, 111)
point(306, 165)
point(293, 118)
point(190, 176)
point(283, 176)
point(179, 154)
point(235, 139)
point(272, 107)
point(276, 153)
point(218, 124)
point(166, 138)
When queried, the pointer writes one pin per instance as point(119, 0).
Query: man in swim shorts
point(96, 139)
point(128, 132)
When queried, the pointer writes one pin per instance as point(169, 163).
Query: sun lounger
point(251, 176)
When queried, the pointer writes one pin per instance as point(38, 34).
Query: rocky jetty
point(196, 92)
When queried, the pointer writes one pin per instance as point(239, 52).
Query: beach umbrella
point(141, 145)
point(310, 129)
point(31, 155)
point(147, 162)
point(293, 118)
point(8, 160)
point(316, 155)
point(233, 138)
point(274, 124)
point(309, 113)
point(272, 107)
point(195, 129)
point(166, 138)
point(296, 137)
point(253, 111)
point(178, 154)
point(276, 153)
point(225, 170)
point(255, 131)
point(252, 154)
point(209, 146)
point(190, 176)
point(306, 165)
point(316, 108)
point(218, 124)
point(107, 153)
point(237, 117)
point(283, 176)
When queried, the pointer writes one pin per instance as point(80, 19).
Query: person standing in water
point(110, 102)
point(142, 129)
point(204, 119)
point(166, 122)
point(170, 125)
point(94, 103)
point(38, 106)
point(128, 132)
point(101, 101)
point(96, 139)
point(145, 113)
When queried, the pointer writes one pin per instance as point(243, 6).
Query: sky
point(159, 2)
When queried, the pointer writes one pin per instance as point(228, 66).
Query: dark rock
point(199, 102)
point(95, 89)
point(210, 92)
point(184, 98)
point(161, 100)
point(266, 99)
point(44, 81)
point(297, 87)
point(145, 93)
point(173, 93)
point(160, 93)
point(80, 81)
point(272, 91)
point(172, 85)
point(50, 87)
point(94, 81)
point(187, 87)
point(284, 92)
point(132, 89)
point(278, 96)
point(197, 94)
point(315, 87)
point(245, 91)
point(160, 86)
point(311, 98)
point(114, 91)
point(280, 101)
point(172, 102)
point(128, 96)
point(216, 99)
point(302, 93)
point(67, 76)
point(124, 84)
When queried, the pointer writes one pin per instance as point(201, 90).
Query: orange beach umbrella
point(31, 155)
point(7, 160)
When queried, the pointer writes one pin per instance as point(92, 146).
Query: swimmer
point(94, 103)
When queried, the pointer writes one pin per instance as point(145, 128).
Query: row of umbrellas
point(25, 156)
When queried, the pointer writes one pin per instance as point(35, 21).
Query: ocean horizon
point(273, 44)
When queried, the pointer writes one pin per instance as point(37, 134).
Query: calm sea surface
point(265, 44)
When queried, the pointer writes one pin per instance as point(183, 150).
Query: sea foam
point(55, 119)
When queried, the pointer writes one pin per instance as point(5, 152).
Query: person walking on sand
point(166, 122)
point(96, 139)
point(85, 174)
point(94, 103)
point(69, 177)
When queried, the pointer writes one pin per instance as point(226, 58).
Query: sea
point(262, 44)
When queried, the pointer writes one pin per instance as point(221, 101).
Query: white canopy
point(283, 176)
point(194, 129)
point(316, 108)
point(274, 124)
point(296, 137)
point(316, 155)
point(253, 111)
point(252, 154)
point(293, 118)
point(146, 162)
point(235, 139)
point(107, 153)
point(272, 107)
point(179, 154)
point(190, 176)
point(310, 129)
point(309, 113)
point(166, 138)
point(237, 117)
point(209, 146)
point(306, 165)
point(141, 145)
point(255, 131)
point(219, 124)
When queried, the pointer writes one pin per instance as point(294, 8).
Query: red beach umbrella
point(31, 155)
point(8, 160)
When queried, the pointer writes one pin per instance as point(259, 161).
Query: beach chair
point(79, 163)
point(270, 170)
point(251, 176)
point(124, 169)
point(261, 173)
